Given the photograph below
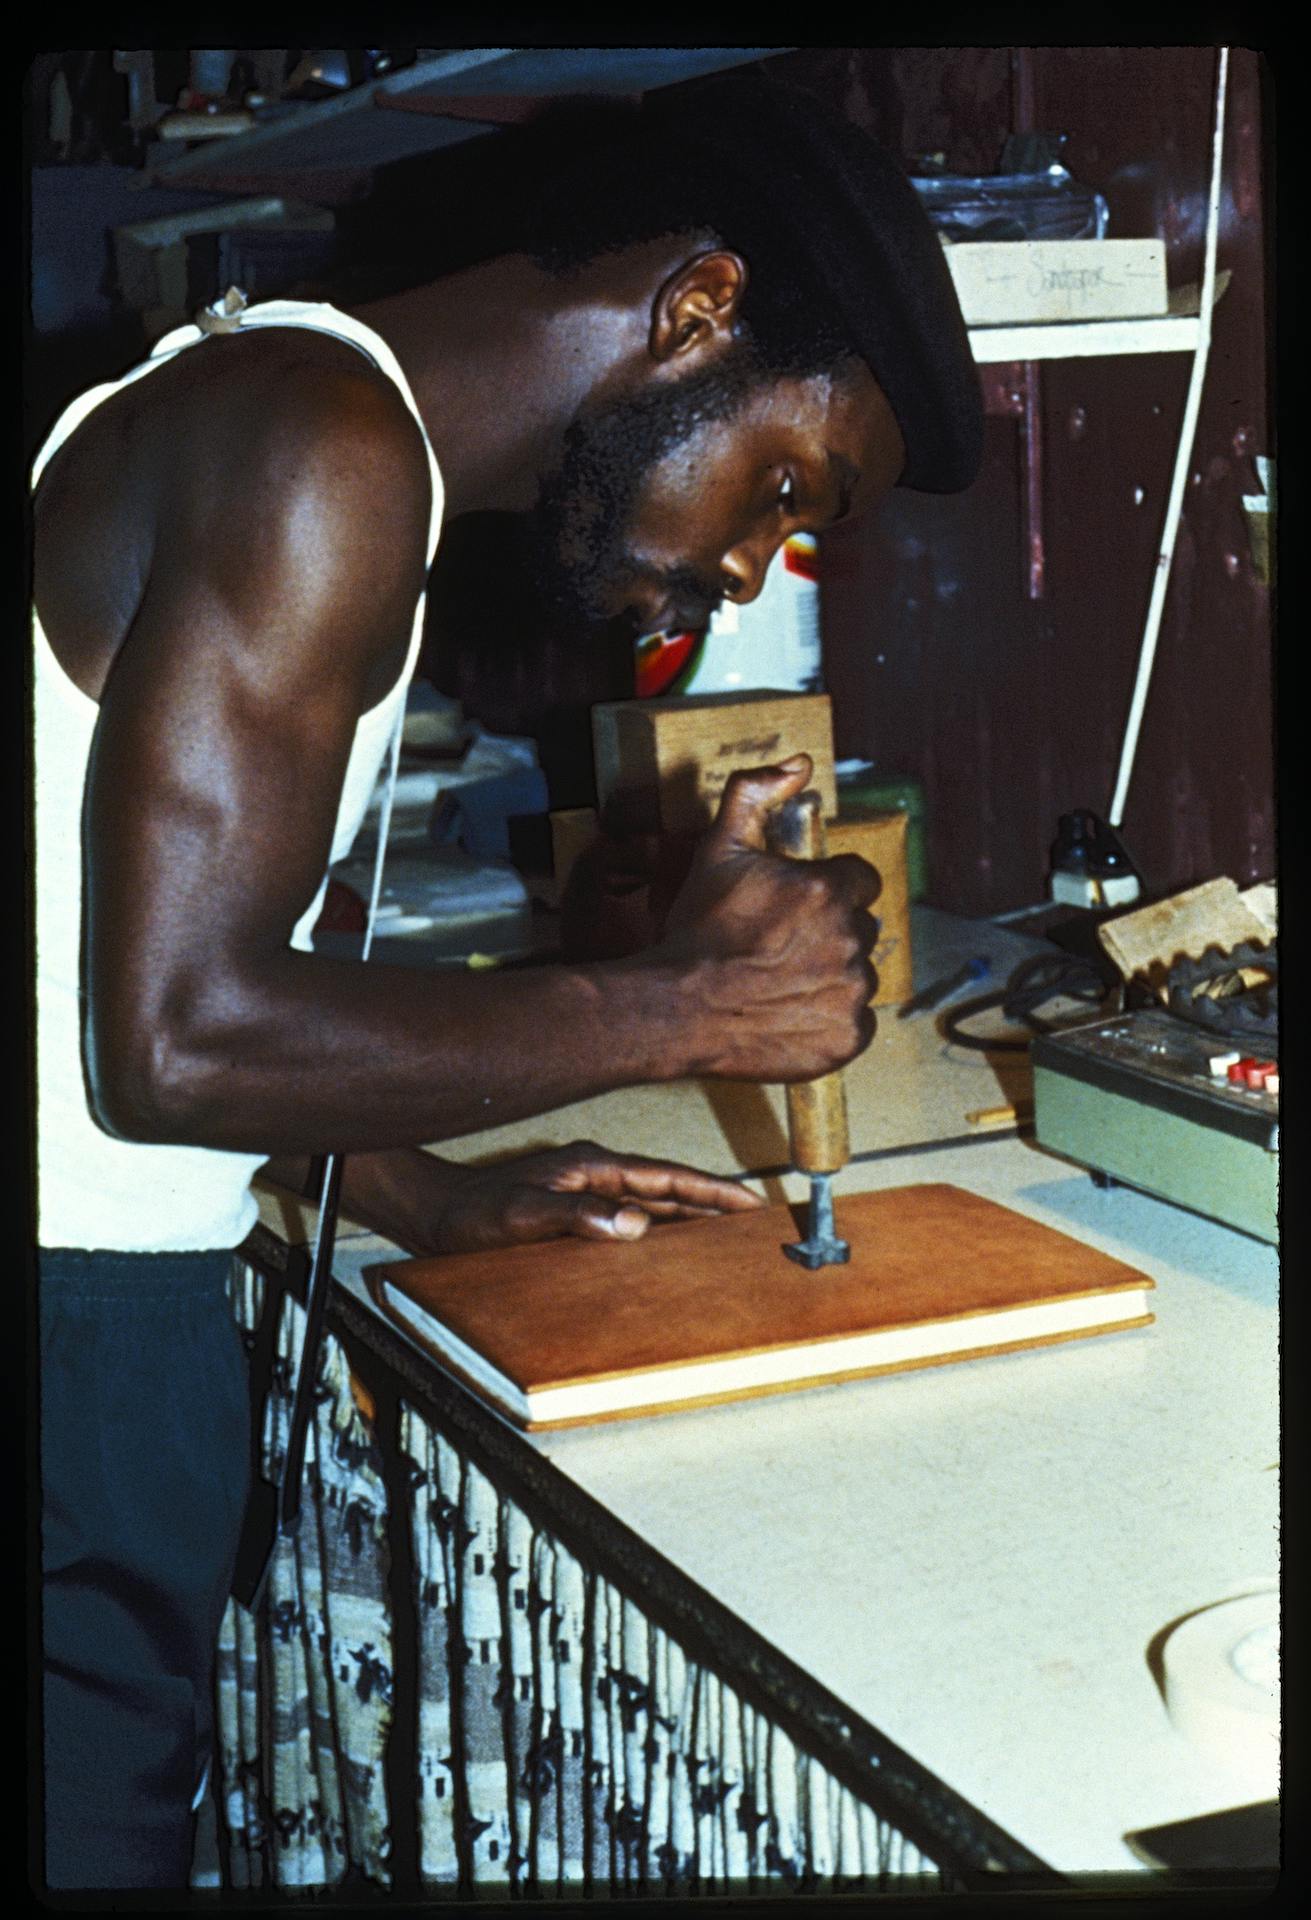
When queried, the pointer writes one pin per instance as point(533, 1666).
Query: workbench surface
point(976, 1559)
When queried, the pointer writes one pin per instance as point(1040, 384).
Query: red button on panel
point(1240, 1070)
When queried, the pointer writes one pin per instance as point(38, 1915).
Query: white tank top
point(94, 1190)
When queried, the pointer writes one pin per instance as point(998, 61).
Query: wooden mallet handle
point(817, 1109)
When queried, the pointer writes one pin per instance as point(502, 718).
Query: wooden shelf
point(352, 132)
point(1085, 339)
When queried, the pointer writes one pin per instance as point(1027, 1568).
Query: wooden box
point(1001, 282)
point(573, 829)
point(880, 838)
point(662, 765)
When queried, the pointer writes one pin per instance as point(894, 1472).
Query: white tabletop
point(976, 1558)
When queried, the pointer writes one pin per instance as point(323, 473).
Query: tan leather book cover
point(572, 1313)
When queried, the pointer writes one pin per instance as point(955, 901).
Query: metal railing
point(467, 1677)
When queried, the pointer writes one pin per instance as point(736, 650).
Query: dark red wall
point(1011, 710)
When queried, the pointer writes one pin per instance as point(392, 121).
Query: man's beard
point(579, 531)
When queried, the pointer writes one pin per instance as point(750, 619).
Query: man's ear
point(698, 305)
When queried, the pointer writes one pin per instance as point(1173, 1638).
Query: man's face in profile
point(667, 500)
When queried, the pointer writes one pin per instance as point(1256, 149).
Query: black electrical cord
point(1034, 982)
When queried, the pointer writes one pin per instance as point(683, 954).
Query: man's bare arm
point(282, 577)
point(428, 1205)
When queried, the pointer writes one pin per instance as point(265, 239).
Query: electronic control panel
point(1168, 1063)
point(1153, 1101)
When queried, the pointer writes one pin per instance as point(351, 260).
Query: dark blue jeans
point(145, 1461)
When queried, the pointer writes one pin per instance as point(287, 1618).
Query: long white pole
point(1183, 459)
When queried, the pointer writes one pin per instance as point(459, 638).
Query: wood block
point(1001, 282)
point(662, 765)
point(573, 830)
point(880, 838)
point(1263, 901)
point(1148, 942)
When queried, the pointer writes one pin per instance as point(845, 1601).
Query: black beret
point(856, 220)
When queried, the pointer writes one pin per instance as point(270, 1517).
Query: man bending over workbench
point(729, 331)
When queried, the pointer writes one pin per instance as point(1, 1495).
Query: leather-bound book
point(571, 1331)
